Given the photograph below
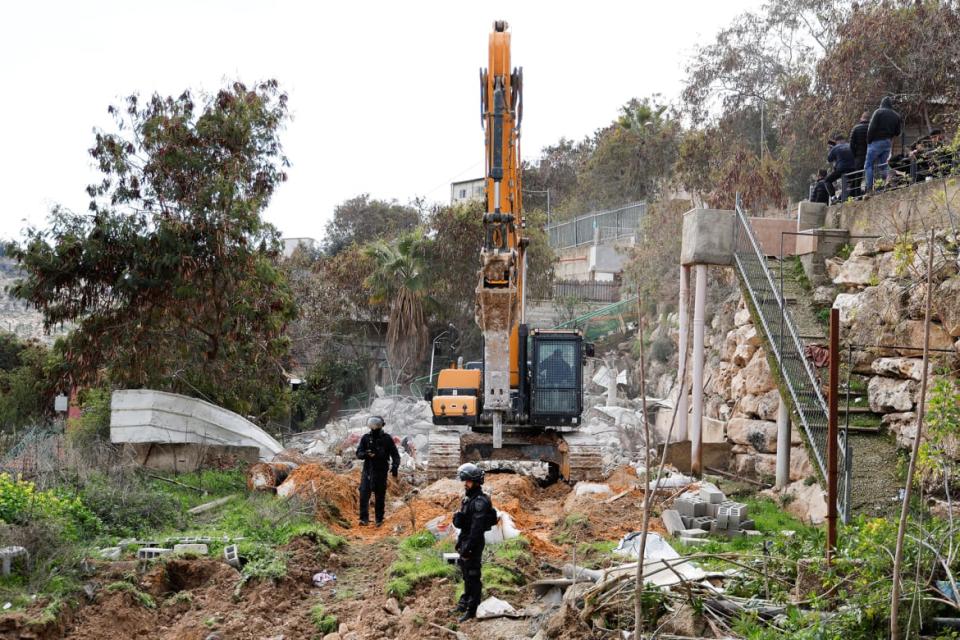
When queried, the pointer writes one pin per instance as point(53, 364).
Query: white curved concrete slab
point(145, 415)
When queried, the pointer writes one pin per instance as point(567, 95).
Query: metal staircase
point(797, 375)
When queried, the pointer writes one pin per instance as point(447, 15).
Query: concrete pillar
point(783, 445)
point(696, 426)
point(682, 369)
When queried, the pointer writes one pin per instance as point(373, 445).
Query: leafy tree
point(171, 278)
point(28, 373)
point(399, 279)
point(362, 219)
point(331, 379)
point(557, 170)
point(653, 263)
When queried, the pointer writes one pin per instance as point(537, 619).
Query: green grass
point(593, 555)
point(323, 621)
point(795, 271)
point(768, 517)
point(144, 599)
point(212, 485)
point(418, 559)
point(504, 567)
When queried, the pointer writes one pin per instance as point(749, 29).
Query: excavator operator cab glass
point(556, 397)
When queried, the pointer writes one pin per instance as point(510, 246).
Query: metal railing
point(902, 171)
point(599, 226)
point(797, 374)
point(593, 291)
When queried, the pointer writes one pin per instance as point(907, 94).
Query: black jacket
point(858, 141)
point(842, 157)
point(821, 193)
point(885, 122)
point(470, 520)
point(384, 451)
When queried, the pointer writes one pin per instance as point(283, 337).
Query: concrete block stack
point(695, 514)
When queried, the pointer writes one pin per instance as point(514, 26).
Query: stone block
point(760, 434)
point(694, 533)
point(191, 547)
point(888, 395)
point(910, 333)
point(811, 215)
point(707, 237)
point(946, 303)
point(672, 522)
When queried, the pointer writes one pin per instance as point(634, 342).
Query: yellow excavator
point(525, 400)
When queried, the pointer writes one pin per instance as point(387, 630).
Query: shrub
point(22, 503)
point(93, 425)
point(661, 349)
point(128, 506)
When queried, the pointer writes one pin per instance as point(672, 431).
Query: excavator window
point(556, 396)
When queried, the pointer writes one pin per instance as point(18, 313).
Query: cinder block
point(689, 505)
point(231, 556)
point(710, 494)
point(191, 547)
point(152, 553)
point(729, 516)
point(712, 509)
point(672, 521)
point(694, 533)
point(751, 532)
point(693, 541)
point(687, 521)
point(703, 522)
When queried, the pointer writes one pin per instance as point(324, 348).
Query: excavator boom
point(530, 388)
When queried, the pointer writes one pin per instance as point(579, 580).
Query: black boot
point(467, 615)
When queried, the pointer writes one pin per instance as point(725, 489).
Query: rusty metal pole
point(833, 432)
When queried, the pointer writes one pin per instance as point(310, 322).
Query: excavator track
point(576, 456)
point(444, 451)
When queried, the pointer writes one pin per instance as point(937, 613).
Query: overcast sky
point(384, 95)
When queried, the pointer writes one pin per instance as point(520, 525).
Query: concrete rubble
point(707, 510)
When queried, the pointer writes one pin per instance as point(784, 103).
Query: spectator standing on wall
point(885, 124)
point(820, 191)
point(858, 145)
point(842, 159)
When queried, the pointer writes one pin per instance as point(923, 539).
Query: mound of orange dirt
point(624, 478)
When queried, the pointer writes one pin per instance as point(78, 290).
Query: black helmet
point(470, 471)
point(375, 422)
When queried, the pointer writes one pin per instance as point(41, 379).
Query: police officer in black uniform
point(470, 520)
point(377, 450)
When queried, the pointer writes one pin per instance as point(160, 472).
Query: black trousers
point(377, 487)
point(471, 568)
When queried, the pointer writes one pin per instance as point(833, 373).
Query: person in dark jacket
point(470, 519)
point(858, 145)
point(842, 158)
point(885, 125)
point(378, 451)
point(820, 191)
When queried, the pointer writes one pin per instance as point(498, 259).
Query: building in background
point(291, 244)
point(466, 190)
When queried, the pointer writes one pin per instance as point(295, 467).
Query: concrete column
point(696, 426)
point(783, 445)
point(682, 369)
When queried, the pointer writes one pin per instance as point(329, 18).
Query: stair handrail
point(802, 408)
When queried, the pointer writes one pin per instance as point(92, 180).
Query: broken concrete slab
point(672, 522)
point(152, 553)
point(111, 553)
point(8, 554)
point(150, 416)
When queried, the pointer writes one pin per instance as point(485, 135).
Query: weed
point(181, 597)
point(323, 621)
point(418, 559)
point(261, 562)
point(144, 599)
point(844, 251)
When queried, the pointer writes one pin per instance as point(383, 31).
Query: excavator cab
point(456, 400)
point(556, 378)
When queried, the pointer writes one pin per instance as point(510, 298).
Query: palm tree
point(398, 279)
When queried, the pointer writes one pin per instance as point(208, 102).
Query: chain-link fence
point(796, 372)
